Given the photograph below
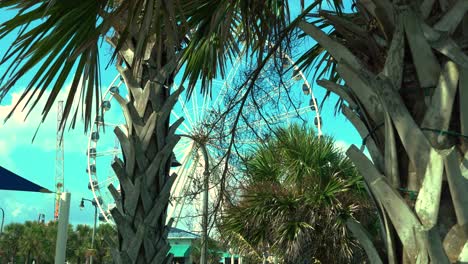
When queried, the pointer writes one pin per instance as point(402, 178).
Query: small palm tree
point(80, 243)
point(300, 190)
point(104, 233)
point(10, 242)
point(34, 243)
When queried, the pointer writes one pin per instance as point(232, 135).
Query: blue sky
point(36, 161)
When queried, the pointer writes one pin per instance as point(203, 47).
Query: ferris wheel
point(282, 98)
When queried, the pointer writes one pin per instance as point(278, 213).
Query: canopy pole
point(62, 233)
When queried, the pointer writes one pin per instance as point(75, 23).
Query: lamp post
point(93, 202)
point(41, 218)
point(3, 220)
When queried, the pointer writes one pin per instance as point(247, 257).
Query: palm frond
point(223, 30)
point(299, 190)
point(353, 30)
point(56, 40)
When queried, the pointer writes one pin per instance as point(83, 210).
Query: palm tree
point(400, 69)
point(103, 233)
point(35, 244)
point(59, 42)
point(299, 192)
point(79, 243)
point(10, 242)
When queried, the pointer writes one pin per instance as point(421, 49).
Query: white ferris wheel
point(282, 98)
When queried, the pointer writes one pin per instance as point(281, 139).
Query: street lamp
point(93, 202)
point(41, 218)
point(3, 220)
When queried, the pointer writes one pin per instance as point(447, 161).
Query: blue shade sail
point(13, 182)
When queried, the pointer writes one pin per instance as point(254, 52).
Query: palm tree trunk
point(147, 144)
point(415, 135)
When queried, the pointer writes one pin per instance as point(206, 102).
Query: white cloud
point(18, 209)
point(24, 206)
point(19, 131)
point(5, 159)
point(342, 145)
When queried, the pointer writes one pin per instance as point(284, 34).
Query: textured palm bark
point(147, 144)
point(417, 175)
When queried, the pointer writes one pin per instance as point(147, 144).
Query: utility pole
point(59, 160)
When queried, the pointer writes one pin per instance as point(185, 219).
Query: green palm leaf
point(300, 189)
point(58, 39)
point(219, 29)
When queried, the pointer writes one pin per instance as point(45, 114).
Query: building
point(181, 243)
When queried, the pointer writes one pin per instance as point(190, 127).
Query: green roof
point(180, 251)
point(228, 255)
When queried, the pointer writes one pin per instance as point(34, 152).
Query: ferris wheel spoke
point(195, 109)
point(248, 142)
point(183, 123)
point(179, 204)
point(181, 183)
point(269, 95)
point(187, 114)
point(184, 132)
point(217, 147)
point(182, 145)
point(219, 95)
point(204, 108)
point(183, 178)
point(294, 113)
point(287, 84)
point(187, 180)
point(106, 182)
point(261, 122)
point(183, 160)
point(181, 170)
point(218, 81)
point(180, 192)
point(107, 124)
point(117, 77)
point(181, 148)
point(111, 152)
point(229, 79)
point(179, 213)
